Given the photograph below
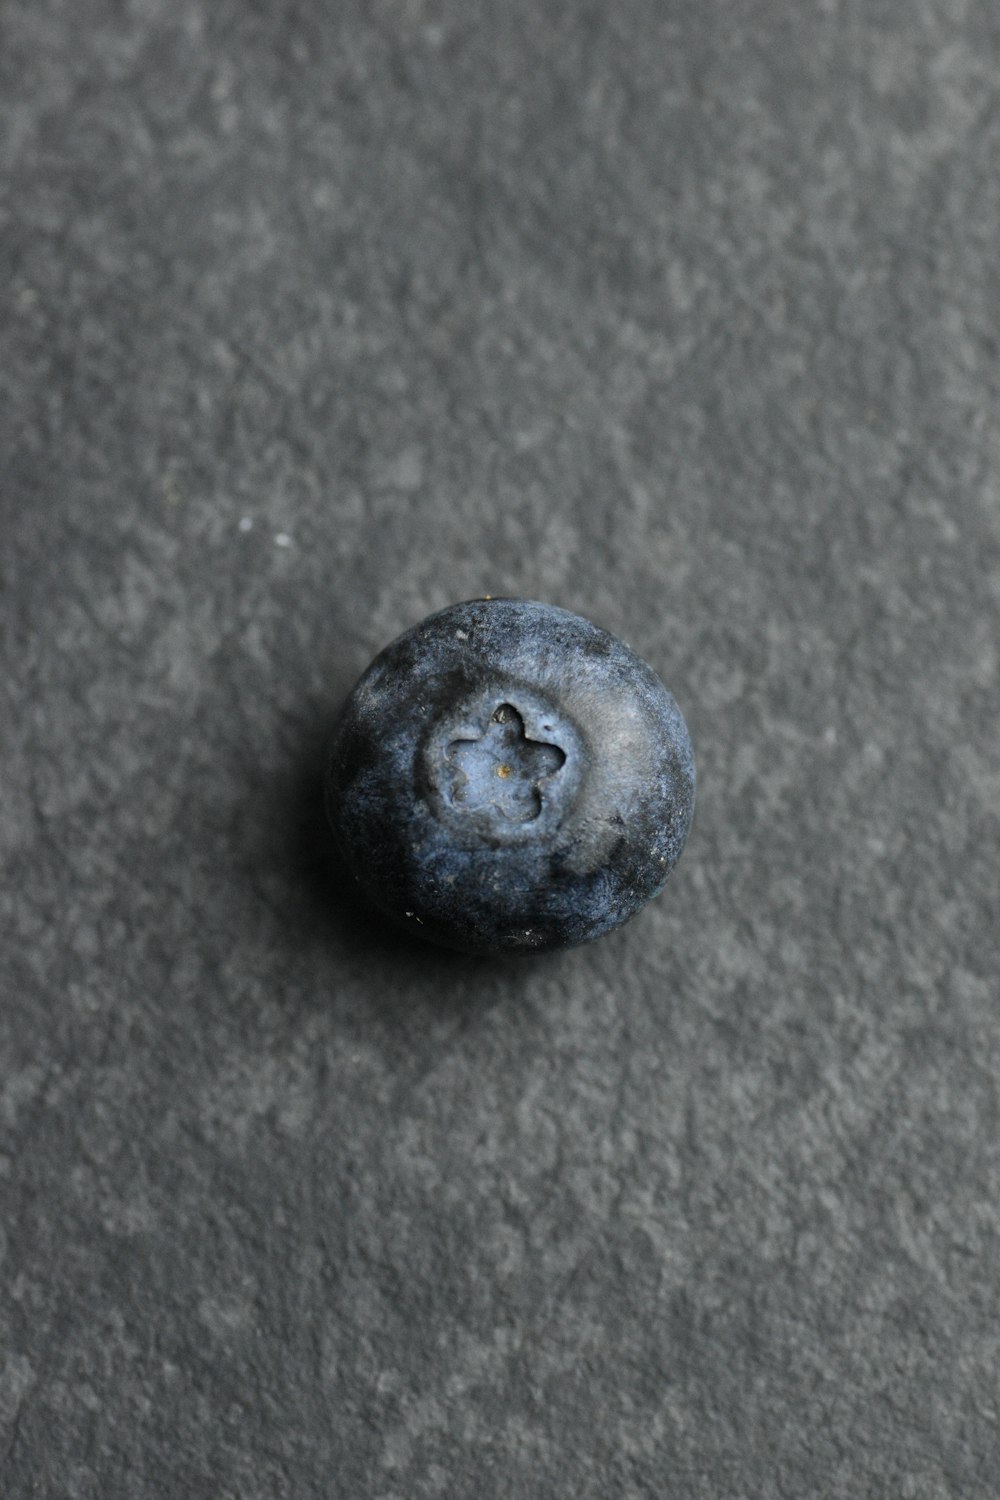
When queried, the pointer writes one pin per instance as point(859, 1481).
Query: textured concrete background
point(315, 318)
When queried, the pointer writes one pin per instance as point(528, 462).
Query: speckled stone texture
point(315, 318)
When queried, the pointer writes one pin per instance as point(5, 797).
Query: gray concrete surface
point(315, 318)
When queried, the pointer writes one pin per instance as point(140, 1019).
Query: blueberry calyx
point(503, 768)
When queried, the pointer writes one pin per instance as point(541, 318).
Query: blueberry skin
point(508, 777)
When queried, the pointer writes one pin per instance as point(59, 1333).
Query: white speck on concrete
point(282, 539)
point(246, 523)
point(462, 635)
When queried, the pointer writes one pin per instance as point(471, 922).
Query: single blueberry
point(508, 776)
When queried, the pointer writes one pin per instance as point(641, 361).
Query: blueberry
point(507, 776)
